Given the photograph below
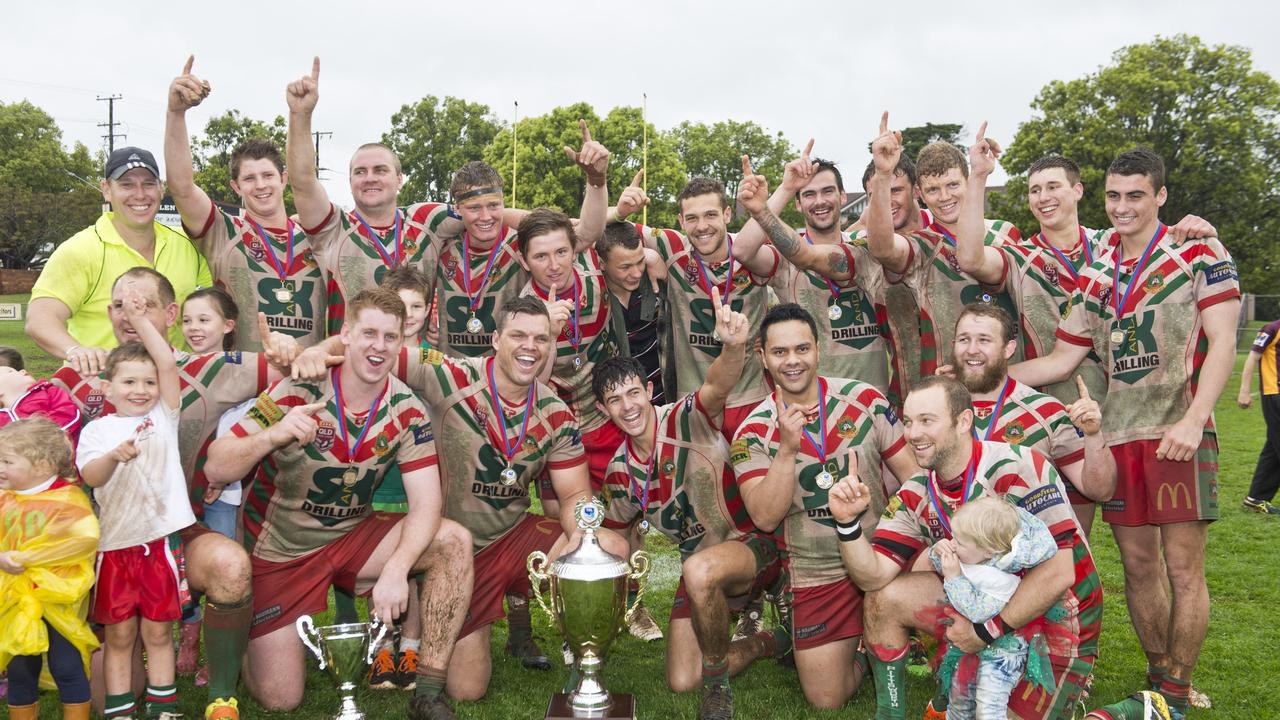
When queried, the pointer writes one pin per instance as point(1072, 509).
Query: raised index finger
point(807, 149)
point(884, 122)
point(263, 329)
point(186, 69)
point(746, 166)
point(639, 178)
point(715, 298)
point(853, 463)
point(586, 133)
point(1084, 390)
point(315, 68)
point(982, 133)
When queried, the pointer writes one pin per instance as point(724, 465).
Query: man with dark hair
point(1061, 598)
point(825, 269)
point(636, 306)
point(261, 257)
point(321, 449)
point(67, 315)
point(1143, 306)
point(787, 455)
point(672, 475)
point(702, 256)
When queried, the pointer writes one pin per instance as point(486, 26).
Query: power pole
point(111, 123)
point(318, 134)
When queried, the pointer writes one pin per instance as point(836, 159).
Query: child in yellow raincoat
point(48, 544)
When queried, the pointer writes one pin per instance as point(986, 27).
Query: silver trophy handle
point(307, 631)
point(374, 622)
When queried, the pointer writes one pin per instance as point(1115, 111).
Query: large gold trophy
point(588, 589)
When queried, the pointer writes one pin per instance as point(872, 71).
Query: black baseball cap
point(124, 159)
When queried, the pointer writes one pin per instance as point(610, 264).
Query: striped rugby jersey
point(238, 259)
point(854, 345)
point(1152, 373)
point(302, 498)
point(691, 497)
point(1034, 420)
point(504, 281)
point(595, 343)
point(858, 418)
point(693, 321)
point(469, 440)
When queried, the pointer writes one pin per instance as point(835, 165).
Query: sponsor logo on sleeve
point(232, 358)
point(431, 356)
point(1225, 270)
point(1041, 499)
point(688, 404)
point(891, 416)
point(265, 411)
point(891, 509)
point(423, 434)
point(738, 452)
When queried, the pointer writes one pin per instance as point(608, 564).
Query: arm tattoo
point(838, 263)
point(783, 237)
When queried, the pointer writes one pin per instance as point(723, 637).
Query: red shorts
point(502, 567)
point(1160, 492)
point(768, 569)
point(826, 613)
point(285, 591)
point(143, 580)
point(733, 417)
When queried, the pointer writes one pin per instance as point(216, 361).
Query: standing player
point(1163, 318)
point(1061, 598)
point(635, 312)
point(703, 257)
point(926, 260)
point(321, 449)
point(840, 281)
point(210, 384)
point(672, 474)
point(1005, 410)
point(787, 455)
point(261, 257)
point(1266, 477)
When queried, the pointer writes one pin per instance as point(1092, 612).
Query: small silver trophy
point(588, 589)
point(346, 651)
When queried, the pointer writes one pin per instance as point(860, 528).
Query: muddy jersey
point(686, 489)
point(858, 417)
point(491, 278)
point(852, 336)
point(1031, 419)
point(303, 498)
point(1153, 370)
point(1041, 282)
point(691, 332)
point(355, 255)
point(212, 383)
point(578, 351)
point(470, 437)
point(942, 289)
point(248, 260)
point(912, 522)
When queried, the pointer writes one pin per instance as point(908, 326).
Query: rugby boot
point(717, 703)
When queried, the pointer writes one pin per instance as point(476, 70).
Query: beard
point(987, 380)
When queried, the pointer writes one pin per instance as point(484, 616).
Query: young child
point(209, 317)
point(23, 396)
point(992, 539)
point(131, 459)
point(413, 287)
point(48, 542)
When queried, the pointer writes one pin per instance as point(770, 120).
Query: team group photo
point(958, 399)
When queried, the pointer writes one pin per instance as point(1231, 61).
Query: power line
point(111, 123)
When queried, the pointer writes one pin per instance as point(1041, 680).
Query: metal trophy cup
point(346, 651)
point(588, 589)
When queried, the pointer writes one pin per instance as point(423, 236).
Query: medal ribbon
point(648, 473)
point(706, 279)
point(507, 449)
point(835, 292)
point(1070, 267)
point(937, 227)
point(819, 448)
point(342, 415)
point(473, 301)
point(938, 507)
point(378, 241)
point(1119, 303)
point(995, 415)
point(281, 272)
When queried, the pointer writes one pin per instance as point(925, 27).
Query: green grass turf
point(1239, 662)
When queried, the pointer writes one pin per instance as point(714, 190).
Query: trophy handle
point(537, 566)
point(375, 642)
point(307, 631)
point(639, 573)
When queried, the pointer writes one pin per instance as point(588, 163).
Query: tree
point(434, 139)
point(46, 193)
point(1204, 109)
point(211, 153)
point(915, 138)
point(716, 151)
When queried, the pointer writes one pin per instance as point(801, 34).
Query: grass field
point(1239, 663)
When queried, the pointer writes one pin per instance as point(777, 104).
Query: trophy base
point(623, 708)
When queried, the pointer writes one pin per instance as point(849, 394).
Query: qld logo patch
point(325, 435)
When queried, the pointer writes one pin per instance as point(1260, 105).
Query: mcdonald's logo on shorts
point(1177, 492)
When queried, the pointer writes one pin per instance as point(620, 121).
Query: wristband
point(848, 532)
point(989, 630)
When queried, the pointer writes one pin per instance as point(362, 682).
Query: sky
point(823, 69)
